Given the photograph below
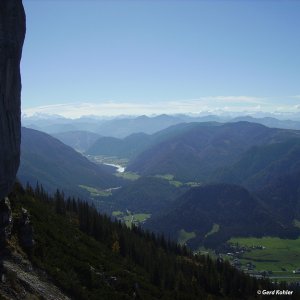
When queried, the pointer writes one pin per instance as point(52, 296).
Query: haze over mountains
point(125, 207)
point(211, 179)
point(79, 140)
point(123, 126)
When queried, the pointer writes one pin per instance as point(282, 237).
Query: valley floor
point(272, 257)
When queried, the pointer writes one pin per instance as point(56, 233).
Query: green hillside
point(91, 257)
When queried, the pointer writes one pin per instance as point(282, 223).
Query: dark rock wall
point(12, 33)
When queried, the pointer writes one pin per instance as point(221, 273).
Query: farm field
point(128, 175)
point(130, 218)
point(94, 192)
point(278, 256)
point(170, 178)
point(184, 236)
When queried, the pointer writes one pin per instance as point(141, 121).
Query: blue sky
point(116, 57)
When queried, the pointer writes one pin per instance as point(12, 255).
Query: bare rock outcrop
point(26, 230)
point(5, 221)
point(12, 33)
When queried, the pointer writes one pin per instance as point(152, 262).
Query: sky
point(97, 57)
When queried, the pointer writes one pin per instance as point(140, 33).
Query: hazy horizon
point(175, 57)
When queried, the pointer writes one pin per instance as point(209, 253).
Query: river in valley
point(120, 169)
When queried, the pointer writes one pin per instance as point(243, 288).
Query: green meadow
point(280, 256)
point(184, 236)
point(94, 192)
point(129, 218)
point(128, 175)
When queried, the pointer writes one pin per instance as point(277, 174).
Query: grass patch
point(128, 175)
point(184, 236)
point(117, 213)
point(129, 218)
point(193, 184)
point(165, 176)
point(215, 228)
point(141, 217)
point(206, 251)
point(176, 183)
point(94, 192)
point(170, 178)
point(296, 223)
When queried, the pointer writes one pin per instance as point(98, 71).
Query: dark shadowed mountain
point(282, 197)
point(123, 148)
point(134, 144)
point(78, 140)
point(201, 148)
point(56, 165)
point(147, 194)
point(261, 165)
point(215, 213)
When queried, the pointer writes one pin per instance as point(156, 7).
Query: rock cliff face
point(12, 32)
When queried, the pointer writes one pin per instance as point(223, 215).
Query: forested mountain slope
point(56, 165)
point(214, 213)
point(128, 147)
point(90, 257)
point(260, 165)
point(148, 195)
point(195, 154)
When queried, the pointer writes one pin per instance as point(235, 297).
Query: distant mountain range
point(118, 127)
point(121, 127)
point(53, 164)
point(128, 147)
point(270, 122)
point(78, 140)
point(56, 124)
point(134, 144)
